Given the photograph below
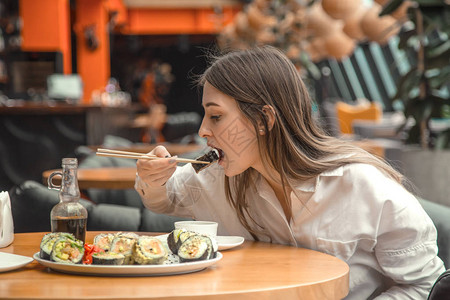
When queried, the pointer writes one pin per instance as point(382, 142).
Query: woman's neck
point(273, 178)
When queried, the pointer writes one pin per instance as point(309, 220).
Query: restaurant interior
point(78, 75)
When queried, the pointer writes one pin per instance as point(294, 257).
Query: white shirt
point(353, 212)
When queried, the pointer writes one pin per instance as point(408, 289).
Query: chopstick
point(137, 155)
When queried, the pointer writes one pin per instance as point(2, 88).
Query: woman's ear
point(269, 114)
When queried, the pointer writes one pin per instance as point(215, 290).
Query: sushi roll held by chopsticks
point(210, 157)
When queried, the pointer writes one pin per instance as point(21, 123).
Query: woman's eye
point(215, 118)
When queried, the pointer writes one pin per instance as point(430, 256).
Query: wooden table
point(99, 178)
point(253, 270)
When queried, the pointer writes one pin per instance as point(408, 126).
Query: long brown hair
point(296, 147)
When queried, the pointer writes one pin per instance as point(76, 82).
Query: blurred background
point(78, 74)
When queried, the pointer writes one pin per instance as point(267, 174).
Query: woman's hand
point(156, 172)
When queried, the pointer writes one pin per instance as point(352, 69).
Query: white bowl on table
point(202, 227)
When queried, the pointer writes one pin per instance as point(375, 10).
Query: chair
point(31, 203)
point(439, 214)
point(441, 288)
point(347, 113)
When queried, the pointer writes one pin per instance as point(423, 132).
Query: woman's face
point(229, 131)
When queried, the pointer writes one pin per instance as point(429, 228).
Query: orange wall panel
point(93, 64)
point(119, 9)
point(46, 27)
point(146, 21)
point(177, 21)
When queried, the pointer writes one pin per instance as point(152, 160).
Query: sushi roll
point(210, 157)
point(104, 240)
point(215, 247)
point(107, 258)
point(125, 246)
point(149, 251)
point(172, 239)
point(47, 244)
point(48, 241)
point(67, 250)
point(212, 246)
point(130, 235)
point(183, 237)
point(195, 248)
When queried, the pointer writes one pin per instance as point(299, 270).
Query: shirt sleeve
point(161, 199)
point(177, 196)
point(407, 250)
point(394, 234)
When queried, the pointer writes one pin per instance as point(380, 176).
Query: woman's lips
point(220, 153)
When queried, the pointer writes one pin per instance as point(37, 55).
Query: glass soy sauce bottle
point(68, 215)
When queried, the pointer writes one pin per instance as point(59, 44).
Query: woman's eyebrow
point(211, 104)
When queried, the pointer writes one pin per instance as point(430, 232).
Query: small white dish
point(10, 261)
point(228, 242)
point(202, 227)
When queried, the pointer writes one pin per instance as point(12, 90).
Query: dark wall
point(35, 137)
point(132, 55)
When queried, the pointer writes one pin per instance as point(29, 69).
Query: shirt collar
point(311, 184)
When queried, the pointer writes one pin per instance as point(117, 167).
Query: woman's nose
point(203, 131)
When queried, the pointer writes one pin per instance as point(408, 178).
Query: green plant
point(424, 90)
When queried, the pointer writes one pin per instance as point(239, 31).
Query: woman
point(281, 179)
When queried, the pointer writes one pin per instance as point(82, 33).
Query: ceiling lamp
point(378, 29)
point(340, 9)
point(265, 36)
point(257, 19)
point(352, 26)
point(243, 29)
point(293, 52)
point(316, 49)
point(318, 23)
point(400, 12)
point(339, 45)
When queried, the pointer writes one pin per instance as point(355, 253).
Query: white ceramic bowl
point(202, 227)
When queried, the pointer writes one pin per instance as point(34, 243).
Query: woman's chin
point(230, 172)
point(225, 167)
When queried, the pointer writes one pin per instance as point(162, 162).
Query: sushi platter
point(129, 254)
point(129, 270)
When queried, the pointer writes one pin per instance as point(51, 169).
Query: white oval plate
point(228, 242)
point(10, 261)
point(129, 270)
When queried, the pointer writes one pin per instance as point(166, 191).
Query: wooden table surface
point(99, 178)
point(253, 270)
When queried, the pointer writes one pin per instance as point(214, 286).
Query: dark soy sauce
point(74, 225)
